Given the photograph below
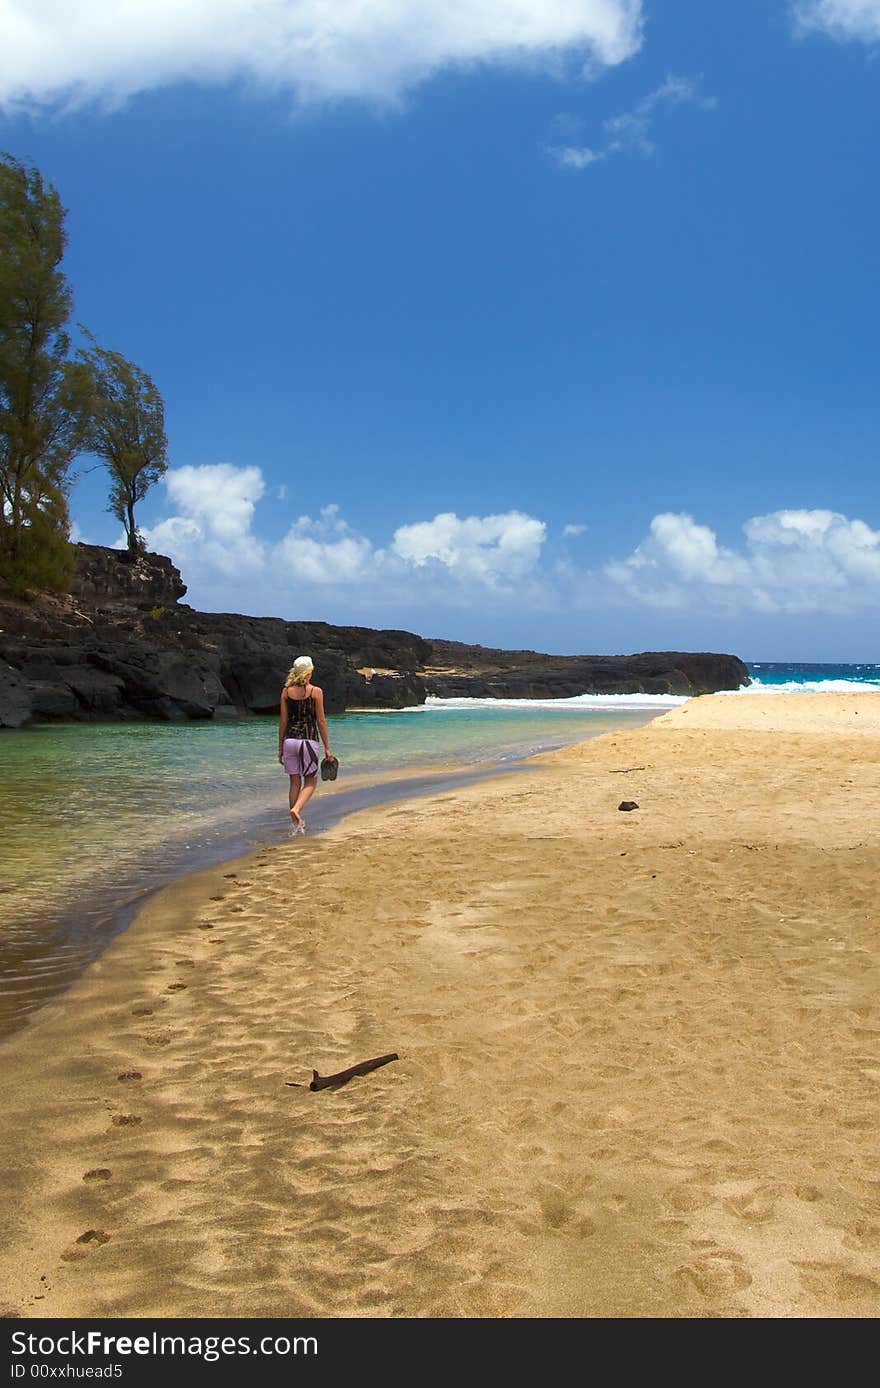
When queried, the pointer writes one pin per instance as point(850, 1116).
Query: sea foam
point(758, 686)
point(578, 703)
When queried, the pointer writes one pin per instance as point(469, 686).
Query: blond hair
point(300, 671)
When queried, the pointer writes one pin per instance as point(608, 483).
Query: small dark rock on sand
point(628, 805)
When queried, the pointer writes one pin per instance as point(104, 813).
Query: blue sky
point(542, 323)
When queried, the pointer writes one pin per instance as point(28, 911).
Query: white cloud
point(175, 536)
point(211, 537)
point(217, 504)
point(80, 50)
point(223, 497)
point(575, 156)
point(491, 549)
point(630, 133)
point(840, 19)
point(324, 551)
point(501, 565)
point(794, 561)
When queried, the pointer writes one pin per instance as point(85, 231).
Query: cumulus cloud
point(325, 551)
point(210, 533)
point(492, 550)
point(793, 561)
point(378, 49)
point(788, 561)
point(631, 132)
point(216, 506)
point(223, 497)
point(840, 19)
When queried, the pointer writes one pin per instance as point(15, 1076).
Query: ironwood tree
point(126, 429)
point(54, 406)
point(42, 409)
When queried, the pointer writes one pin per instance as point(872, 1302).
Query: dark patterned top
point(301, 720)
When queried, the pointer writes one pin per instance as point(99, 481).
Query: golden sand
point(639, 1067)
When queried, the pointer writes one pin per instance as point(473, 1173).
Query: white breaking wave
point(809, 687)
point(654, 703)
point(578, 703)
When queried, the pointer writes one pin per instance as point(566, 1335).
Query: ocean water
point(779, 678)
point(95, 816)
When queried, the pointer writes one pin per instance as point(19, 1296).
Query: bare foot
point(297, 820)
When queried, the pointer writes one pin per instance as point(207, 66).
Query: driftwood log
point(343, 1076)
point(326, 1081)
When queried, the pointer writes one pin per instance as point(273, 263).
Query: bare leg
point(305, 795)
point(295, 785)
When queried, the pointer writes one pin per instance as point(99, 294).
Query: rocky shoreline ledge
point(122, 645)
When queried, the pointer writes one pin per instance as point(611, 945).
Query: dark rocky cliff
point(458, 671)
point(122, 645)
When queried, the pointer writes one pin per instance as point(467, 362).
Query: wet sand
point(638, 1070)
point(44, 950)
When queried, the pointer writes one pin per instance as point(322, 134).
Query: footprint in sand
point(615, 1204)
point(851, 1285)
point(808, 1193)
point(175, 987)
point(97, 1173)
point(126, 1075)
point(682, 1200)
point(555, 1209)
point(715, 1274)
point(142, 1012)
point(753, 1207)
point(126, 1120)
point(834, 1283)
point(89, 1238)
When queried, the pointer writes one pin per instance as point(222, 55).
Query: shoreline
point(100, 912)
point(637, 1071)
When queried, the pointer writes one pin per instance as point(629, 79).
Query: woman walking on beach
point(302, 719)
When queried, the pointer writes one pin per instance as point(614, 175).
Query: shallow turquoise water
point(93, 816)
